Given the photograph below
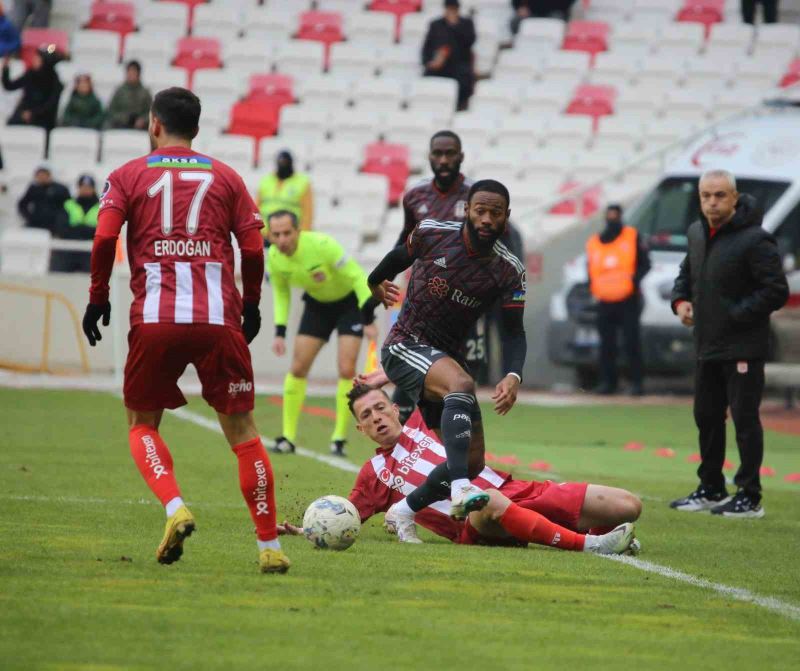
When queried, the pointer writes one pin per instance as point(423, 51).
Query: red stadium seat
point(594, 101)
point(590, 200)
point(43, 38)
point(707, 12)
point(792, 75)
point(325, 27)
point(271, 87)
point(271, 92)
point(118, 17)
point(254, 119)
point(397, 7)
point(589, 36)
point(196, 53)
point(391, 160)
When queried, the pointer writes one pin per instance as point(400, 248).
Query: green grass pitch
point(80, 588)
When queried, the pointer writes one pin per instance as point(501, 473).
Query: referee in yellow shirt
point(336, 297)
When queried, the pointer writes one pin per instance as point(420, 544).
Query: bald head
point(718, 196)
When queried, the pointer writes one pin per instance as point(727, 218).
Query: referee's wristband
point(280, 331)
point(516, 375)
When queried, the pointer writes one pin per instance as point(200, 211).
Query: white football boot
point(469, 499)
point(616, 542)
point(401, 524)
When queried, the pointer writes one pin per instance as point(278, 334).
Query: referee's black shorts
point(320, 319)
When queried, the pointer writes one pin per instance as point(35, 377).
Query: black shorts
point(406, 364)
point(319, 319)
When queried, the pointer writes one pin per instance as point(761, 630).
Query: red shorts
point(558, 502)
point(159, 353)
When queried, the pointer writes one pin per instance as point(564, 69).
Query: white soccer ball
point(331, 523)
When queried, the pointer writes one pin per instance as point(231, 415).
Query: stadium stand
point(557, 105)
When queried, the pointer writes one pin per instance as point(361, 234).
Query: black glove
point(251, 321)
point(90, 319)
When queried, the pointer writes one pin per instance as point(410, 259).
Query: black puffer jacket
point(734, 281)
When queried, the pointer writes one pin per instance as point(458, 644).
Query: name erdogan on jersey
point(182, 248)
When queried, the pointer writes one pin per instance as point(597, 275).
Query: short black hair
point(359, 391)
point(284, 213)
point(614, 206)
point(492, 186)
point(446, 133)
point(178, 110)
point(134, 64)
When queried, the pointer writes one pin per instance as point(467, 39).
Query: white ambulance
point(763, 152)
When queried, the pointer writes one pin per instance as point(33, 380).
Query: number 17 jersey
point(181, 208)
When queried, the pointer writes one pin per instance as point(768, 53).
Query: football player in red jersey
point(182, 207)
point(569, 515)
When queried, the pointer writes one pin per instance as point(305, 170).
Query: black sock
point(435, 488)
point(457, 432)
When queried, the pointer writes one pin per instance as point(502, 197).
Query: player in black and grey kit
point(442, 197)
point(459, 270)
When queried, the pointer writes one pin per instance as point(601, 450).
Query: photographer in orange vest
point(617, 263)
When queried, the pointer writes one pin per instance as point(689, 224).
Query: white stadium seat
point(495, 98)
point(328, 90)
point(524, 130)
point(549, 31)
point(164, 17)
point(687, 106)
point(683, 33)
point(566, 66)
point(120, 146)
point(356, 125)
point(147, 50)
point(270, 146)
point(299, 119)
point(570, 133)
point(74, 145)
point(548, 167)
point(658, 71)
point(620, 132)
point(25, 251)
point(236, 150)
point(366, 193)
point(98, 45)
point(760, 72)
point(544, 98)
point(614, 69)
point(248, 55)
point(414, 28)
point(228, 83)
point(383, 95)
point(641, 36)
point(400, 61)
point(353, 60)
point(372, 27)
point(739, 35)
point(209, 21)
point(301, 57)
point(656, 11)
point(778, 38)
point(475, 128)
point(337, 156)
point(643, 100)
point(22, 145)
point(433, 95)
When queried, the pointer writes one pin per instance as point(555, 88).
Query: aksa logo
point(438, 287)
point(240, 387)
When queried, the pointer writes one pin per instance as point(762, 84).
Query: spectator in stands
point(447, 50)
point(42, 205)
point(539, 9)
point(286, 189)
point(9, 35)
point(84, 108)
point(38, 10)
point(130, 104)
point(618, 260)
point(769, 7)
point(79, 224)
point(41, 90)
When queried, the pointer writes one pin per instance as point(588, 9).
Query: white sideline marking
point(213, 425)
point(737, 593)
point(93, 500)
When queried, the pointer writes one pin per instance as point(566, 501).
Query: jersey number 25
point(164, 183)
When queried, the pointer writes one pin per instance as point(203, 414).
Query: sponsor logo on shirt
point(438, 287)
point(441, 261)
point(239, 387)
point(462, 299)
point(460, 209)
point(423, 209)
point(162, 161)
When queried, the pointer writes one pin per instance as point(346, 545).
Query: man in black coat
point(447, 50)
point(729, 283)
point(42, 205)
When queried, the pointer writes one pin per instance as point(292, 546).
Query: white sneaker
point(401, 524)
point(469, 499)
point(615, 542)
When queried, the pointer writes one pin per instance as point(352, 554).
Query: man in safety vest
point(287, 190)
point(79, 223)
point(617, 263)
